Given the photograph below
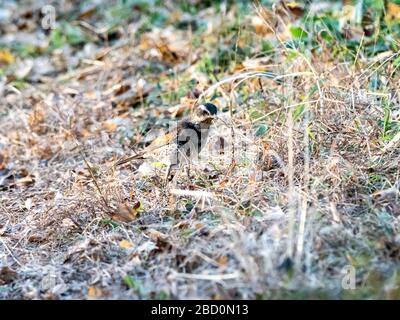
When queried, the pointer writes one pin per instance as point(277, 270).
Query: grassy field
point(295, 197)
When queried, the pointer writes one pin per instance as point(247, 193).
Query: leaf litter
point(261, 222)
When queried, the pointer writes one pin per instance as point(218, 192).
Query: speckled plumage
point(182, 143)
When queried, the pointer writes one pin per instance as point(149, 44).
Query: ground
point(295, 196)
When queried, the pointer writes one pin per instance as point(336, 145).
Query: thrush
point(182, 143)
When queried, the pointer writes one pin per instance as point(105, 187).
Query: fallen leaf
point(110, 125)
point(86, 245)
point(156, 235)
point(3, 160)
point(6, 57)
point(256, 64)
point(26, 181)
point(88, 13)
point(133, 96)
point(125, 244)
point(199, 226)
point(125, 213)
point(222, 261)
point(167, 45)
point(295, 8)
point(36, 121)
point(260, 26)
point(37, 238)
point(84, 133)
point(118, 89)
point(392, 12)
point(181, 224)
point(90, 95)
point(7, 275)
point(70, 91)
point(177, 111)
point(94, 293)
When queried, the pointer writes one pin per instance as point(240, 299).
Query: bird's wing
point(160, 142)
point(189, 132)
point(157, 143)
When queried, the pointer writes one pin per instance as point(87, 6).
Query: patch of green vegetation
point(374, 285)
point(211, 217)
point(260, 129)
point(302, 294)
point(162, 295)
point(298, 32)
point(25, 50)
point(267, 47)
point(194, 8)
point(66, 34)
point(187, 233)
point(375, 181)
point(172, 97)
point(133, 284)
point(255, 114)
point(109, 223)
point(388, 126)
point(206, 65)
point(19, 84)
point(298, 112)
point(386, 223)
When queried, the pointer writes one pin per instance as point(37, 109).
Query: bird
point(182, 143)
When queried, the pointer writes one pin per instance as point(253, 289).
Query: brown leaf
point(43, 152)
point(26, 181)
point(133, 96)
point(181, 224)
point(3, 160)
point(87, 13)
point(36, 121)
point(295, 8)
point(260, 26)
point(7, 275)
point(125, 213)
point(160, 239)
point(118, 89)
point(37, 238)
point(167, 45)
point(222, 261)
point(177, 111)
point(156, 235)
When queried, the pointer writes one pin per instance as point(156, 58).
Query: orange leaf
point(94, 293)
point(125, 213)
point(125, 244)
point(260, 27)
point(6, 57)
point(393, 11)
point(110, 125)
point(3, 160)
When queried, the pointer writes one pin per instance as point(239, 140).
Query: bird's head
point(206, 112)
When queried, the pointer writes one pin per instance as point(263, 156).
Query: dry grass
point(272, 216)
